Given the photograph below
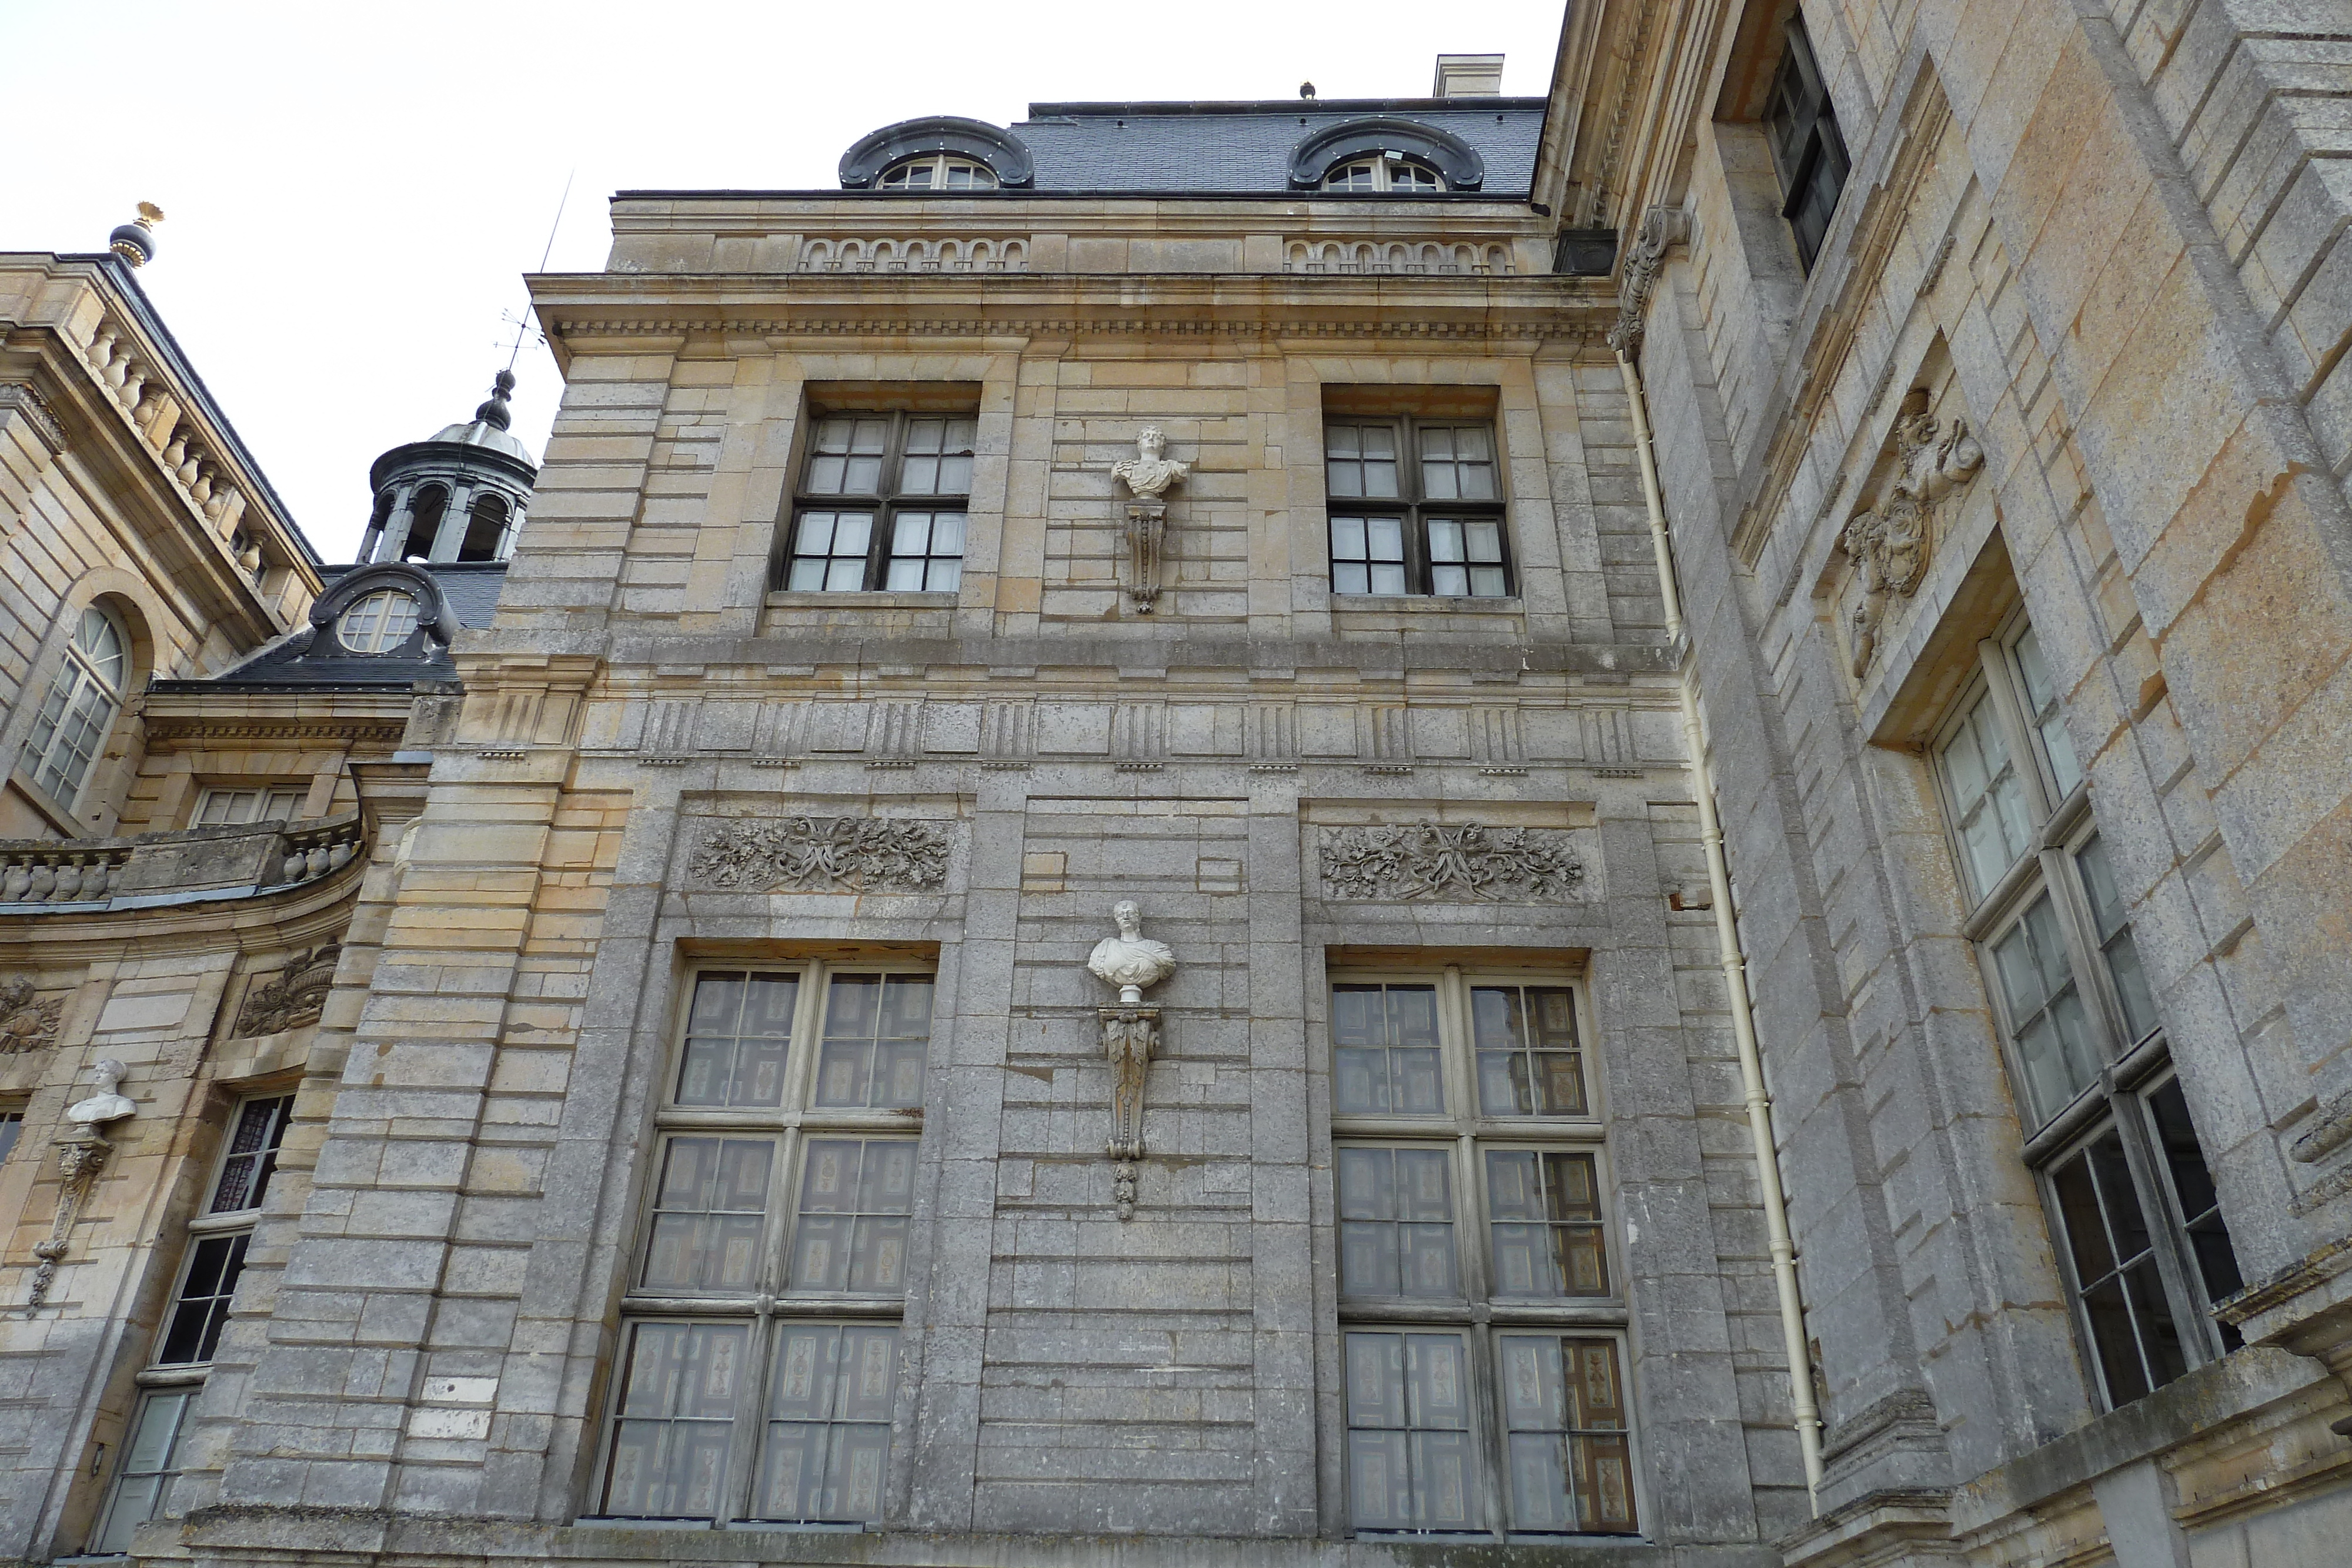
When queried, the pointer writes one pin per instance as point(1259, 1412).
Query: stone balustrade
point(169, 432)
point(194, 866)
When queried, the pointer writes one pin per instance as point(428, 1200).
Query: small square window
point(1415, 508)
point(911, 474)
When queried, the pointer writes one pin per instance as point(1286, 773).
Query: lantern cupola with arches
point(459, 496)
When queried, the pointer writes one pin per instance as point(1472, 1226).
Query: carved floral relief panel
point(820, 854)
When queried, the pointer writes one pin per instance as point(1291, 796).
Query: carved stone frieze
point(1889, 543)
point(292, 997)
point(27, 1021)
point(1462, 862)
point(822, 855)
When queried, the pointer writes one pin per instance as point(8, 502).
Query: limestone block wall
point(2021, 233)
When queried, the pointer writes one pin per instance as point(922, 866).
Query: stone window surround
point(2135, 1070)
point(790, 1124)
point(1465, 1134)
point(160, 1381)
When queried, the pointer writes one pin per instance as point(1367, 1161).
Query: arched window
point(378, 623)
point(1386, 172)
point(487, 527)
point(937, 172)
point(84, 702)
point(424, 522)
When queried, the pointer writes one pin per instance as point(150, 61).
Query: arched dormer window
point(937, 172)
point(1387, 155)
point(84, 702)
point(940, 152)
point(1388, 172)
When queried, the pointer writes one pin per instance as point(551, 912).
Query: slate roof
point(1244, 148)
point(312, 659)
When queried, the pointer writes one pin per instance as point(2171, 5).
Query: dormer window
point(1386, 172)
point(378, 623)
point(939, 171)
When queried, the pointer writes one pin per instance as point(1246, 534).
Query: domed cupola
point(457, 498)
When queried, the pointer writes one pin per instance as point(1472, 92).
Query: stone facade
point(1894, 748)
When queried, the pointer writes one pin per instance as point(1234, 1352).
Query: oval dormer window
point(1387, 172)
point(937, 172)
point(378, 623)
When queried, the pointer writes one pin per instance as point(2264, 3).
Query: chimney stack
point(1468, 76)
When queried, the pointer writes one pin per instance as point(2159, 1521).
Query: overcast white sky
point(354, 192)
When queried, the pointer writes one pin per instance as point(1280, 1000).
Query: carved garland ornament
point(1889, 543)
point(1431, 860)
point(822, 855)
point(292, 997)
point(27, 1022)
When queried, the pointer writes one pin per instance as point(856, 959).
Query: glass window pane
point(1528, 1058)
point(2115, 943)
point(1987, 797)
point(1384, 1048)
point(2192, 1186)
point(855, 1196)
point(252, 1156)
point(674, 1420)
point(1444, 539)
point(1396, 1223)
point(1411, 1465)
point(1384, 537)
point(12, 1125)
point(710, 1216)
point(876, 1040)
point(1564, 1409)
point(193, 1328)
point(2124, 1310)
point(826, 1449)
point(2045, 713)
point(2055, 1044)
point(739, 1032)
point(148, 1464)
point(1544, 1217)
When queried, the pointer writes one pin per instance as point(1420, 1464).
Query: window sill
point(880, 599)
point(1429, 603)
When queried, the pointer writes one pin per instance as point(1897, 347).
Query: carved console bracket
point(1146, 524)
point(81, 1154)
point(1663, 228)
point(1131, 1038)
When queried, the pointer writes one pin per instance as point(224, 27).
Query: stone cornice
point(1534, 310)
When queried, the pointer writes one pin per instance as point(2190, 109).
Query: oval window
point(378, 623)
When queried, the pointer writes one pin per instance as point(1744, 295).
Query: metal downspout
point(1805, 1413)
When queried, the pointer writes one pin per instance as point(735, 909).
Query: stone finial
point(495, 411)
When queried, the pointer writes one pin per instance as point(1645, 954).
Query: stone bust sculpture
point(106, 1105)
point(1130, 960)
point(1149, 474)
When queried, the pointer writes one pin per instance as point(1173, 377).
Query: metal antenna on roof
point(522, 322)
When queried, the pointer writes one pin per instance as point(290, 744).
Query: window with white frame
point(937, 172)
point(2131, 1200)
point(759, 1349)
point(1389, 172)
point(225, 808)
point(882, 504)
point(85, 699)
point(1416, 507)
point(211, 1262)
point(1481, 1317)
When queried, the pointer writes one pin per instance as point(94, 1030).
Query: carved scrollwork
point(27, 1021)
point(822, 855)
point(292, 997)
point(1464, 862)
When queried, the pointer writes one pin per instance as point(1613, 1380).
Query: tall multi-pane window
point(1416, 507)
point(210, 1265)
point(882, 504)
point(1481, 1312)
point(2131, 1200)
point(83, 703)
point(759, 1355)
point(1808, 151)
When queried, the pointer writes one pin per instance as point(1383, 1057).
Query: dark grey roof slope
point(1171, 147)
point(452, 596)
